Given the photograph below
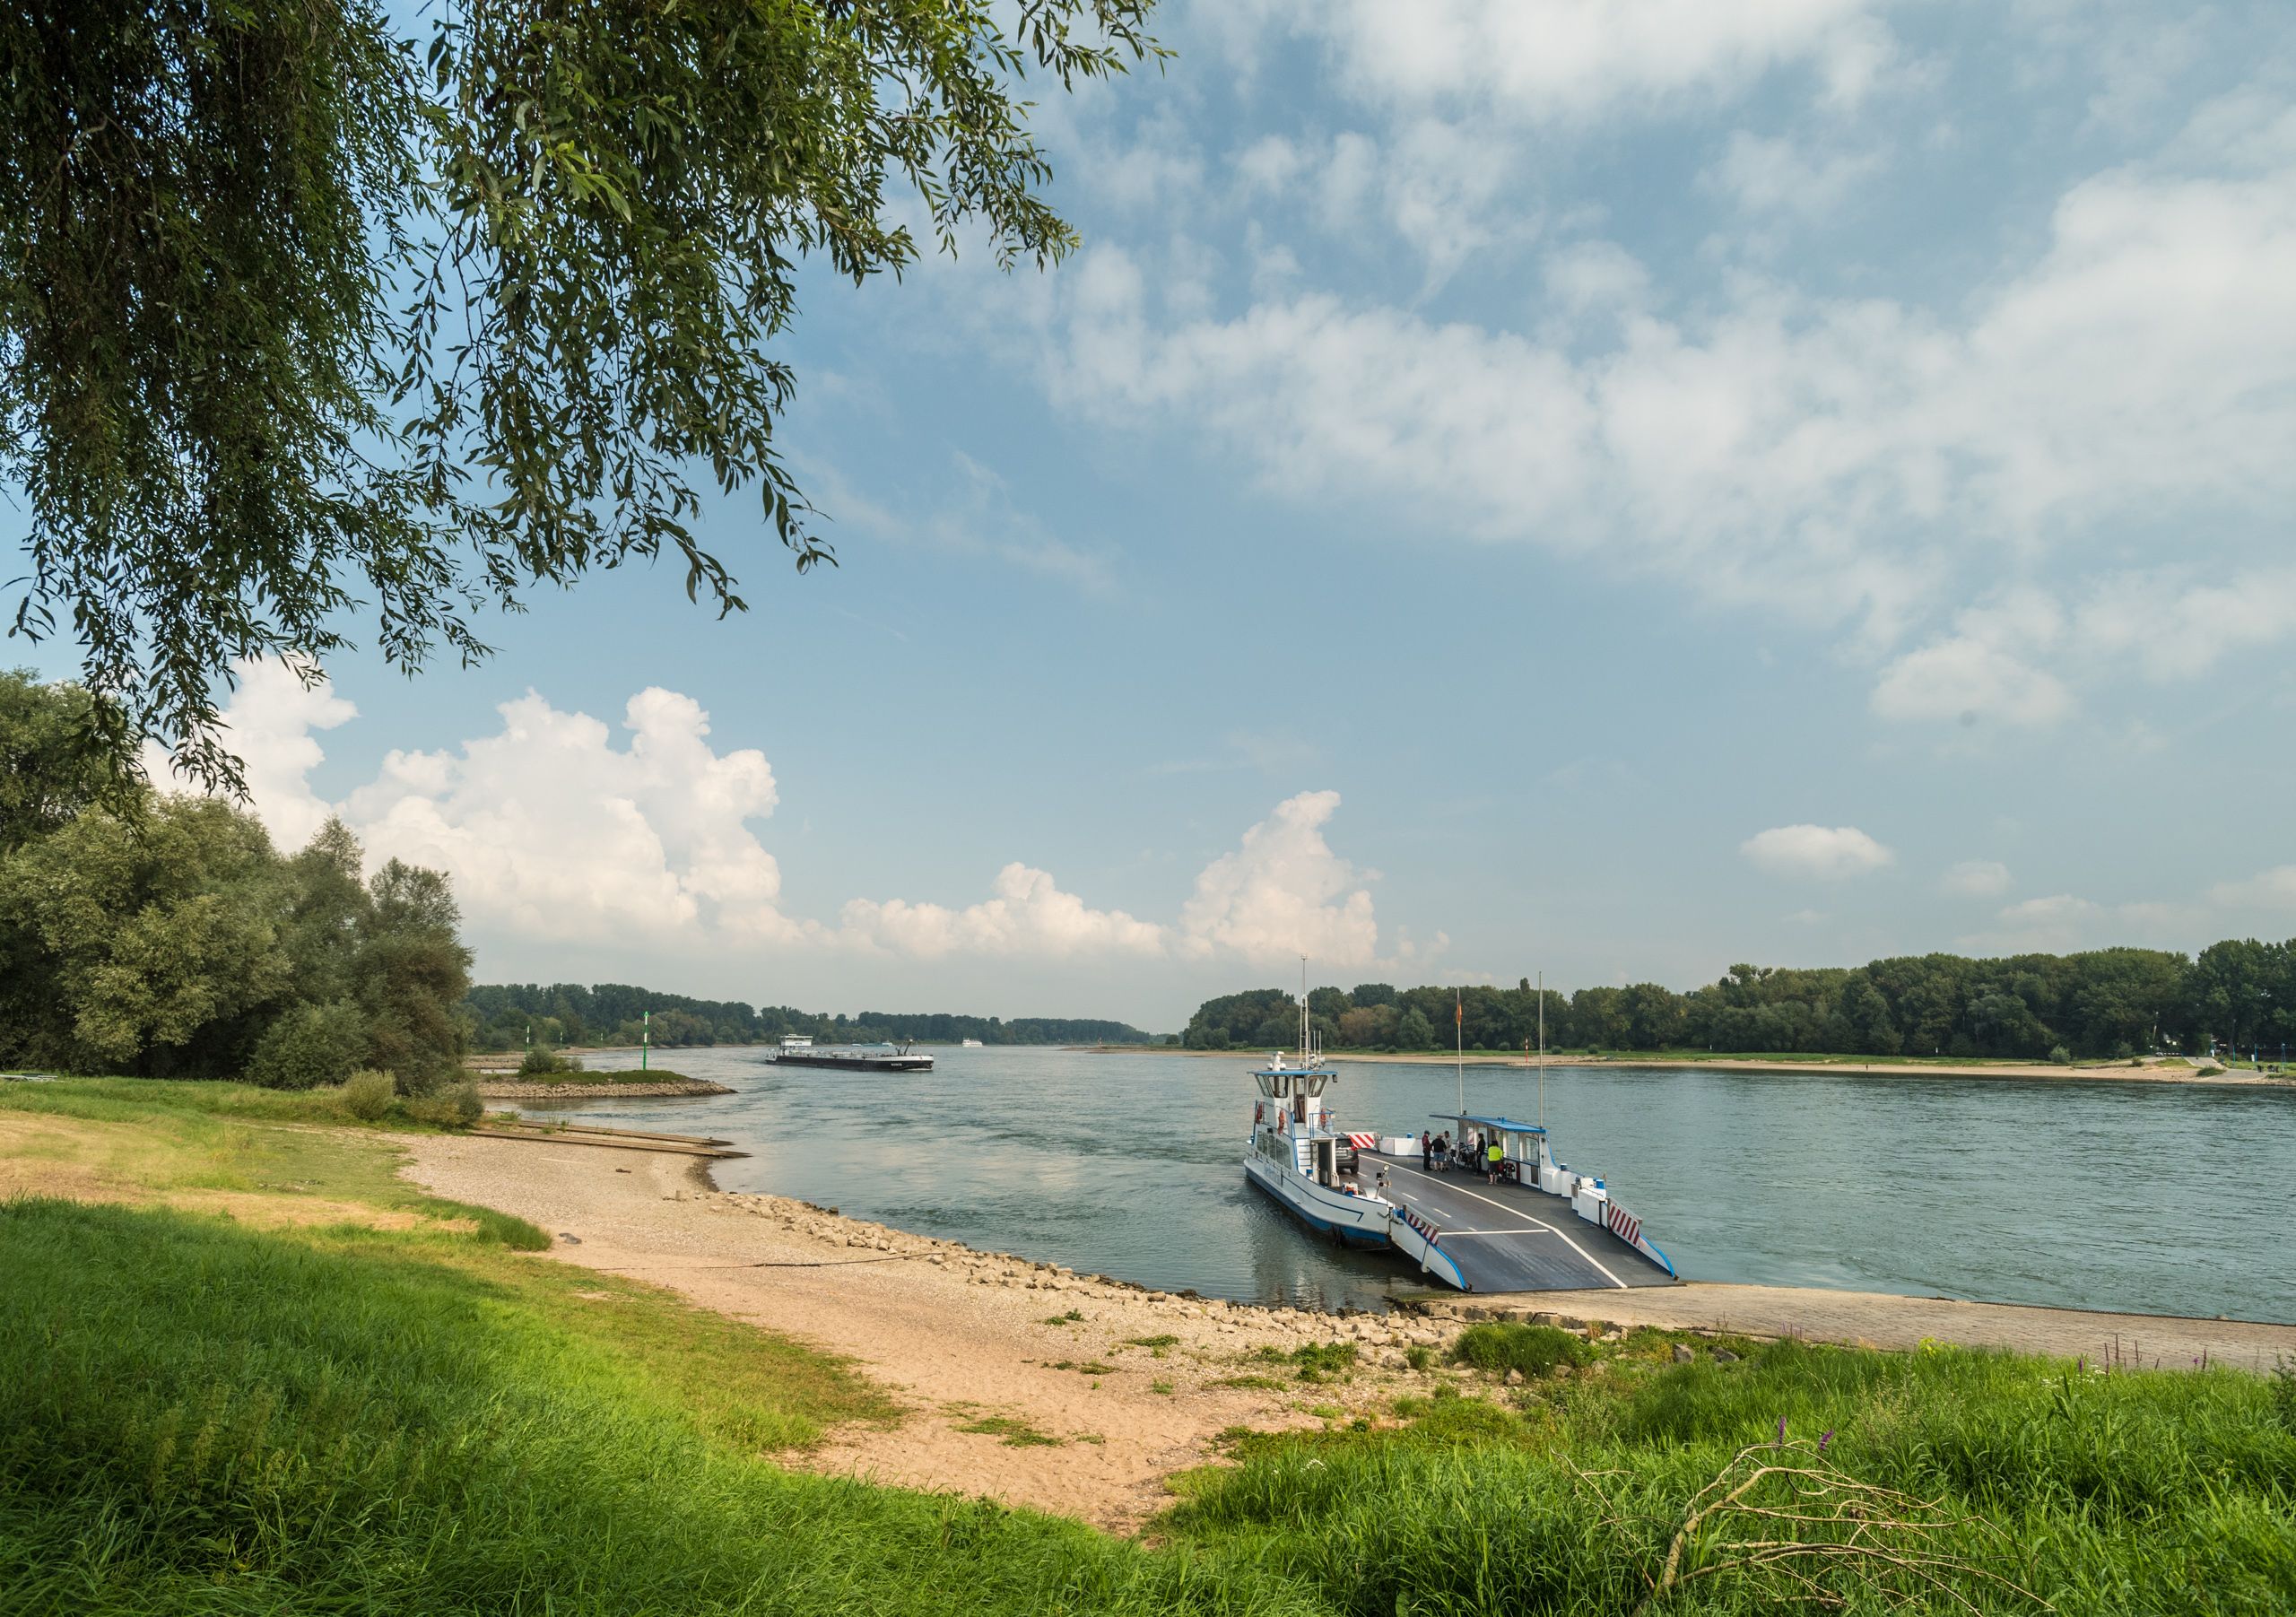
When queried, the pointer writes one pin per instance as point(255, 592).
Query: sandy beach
point(961, 1336)
point(1125, 1386)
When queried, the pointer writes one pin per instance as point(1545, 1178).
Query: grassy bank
point(338, 1395)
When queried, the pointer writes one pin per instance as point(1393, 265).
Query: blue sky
point(1606, 489)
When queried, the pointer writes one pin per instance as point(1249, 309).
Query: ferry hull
point(1355, 1220)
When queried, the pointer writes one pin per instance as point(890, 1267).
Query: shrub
point(453, 1106)
point(367, 1096)
point(2123, 1051)
point(1417, 1355)
point(1533, 1349)
point(2061, 1056)
point(308, 1046)
point(541, 1063)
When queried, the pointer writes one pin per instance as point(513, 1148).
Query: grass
point(1013, 1432)
point(1532, 1350)
point(1311, 1360)
point(1082, 1367)
point(1070, 1317)
point(233, 1147)
point(2145, 1494)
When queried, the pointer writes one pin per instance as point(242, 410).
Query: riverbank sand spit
point(967, 1337)
point(962, 1336)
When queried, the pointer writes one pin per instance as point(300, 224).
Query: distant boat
point(972, 1044)
point(797, 1050)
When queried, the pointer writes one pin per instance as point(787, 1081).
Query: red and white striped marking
point(1623, 1224)
point(1363, 1142)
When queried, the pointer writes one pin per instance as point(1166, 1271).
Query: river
point(2149, 1197)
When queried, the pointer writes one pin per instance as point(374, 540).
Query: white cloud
point(1850, 463)
point(1978, 878)
point(2274, 888)
point(1816, 852)
point(1028, 915)
point(268, 726)
point(1284, 894)
point(551, 831)
point(1979, 670)
point(1550, 60)
point(2064, 922)
point(1767, 175)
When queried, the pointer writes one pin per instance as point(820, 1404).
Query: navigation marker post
point(645, 1040)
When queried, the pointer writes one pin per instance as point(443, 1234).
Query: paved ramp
point(1507, 1238)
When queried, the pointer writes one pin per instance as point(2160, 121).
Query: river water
point(2150, 1197)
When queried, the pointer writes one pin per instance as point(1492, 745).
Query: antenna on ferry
point(1542, 1051)
point(1459, 1037)
point(1304, 1056)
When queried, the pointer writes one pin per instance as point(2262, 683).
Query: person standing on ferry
point(1426, 1153)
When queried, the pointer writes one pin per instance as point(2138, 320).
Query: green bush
point(367, 1096)
point(541, 1063)
point(1533, 1349)
point(309, 1046)
point(455, 1106)
point(2061, 1056)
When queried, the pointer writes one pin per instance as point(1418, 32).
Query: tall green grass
point(2153, 1492)
point(195, 1418)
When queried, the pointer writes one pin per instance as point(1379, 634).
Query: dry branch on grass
point(1812, 1529)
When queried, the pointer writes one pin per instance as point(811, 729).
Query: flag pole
point(1459, 1038)
point(1542, 1052)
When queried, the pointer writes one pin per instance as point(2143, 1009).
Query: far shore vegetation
point(2235, 1000)
point(245, 1369)
point(504, 1016)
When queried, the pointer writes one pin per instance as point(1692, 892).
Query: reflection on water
point(2151, 1197)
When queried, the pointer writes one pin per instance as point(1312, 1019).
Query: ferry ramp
point(1509, 1237)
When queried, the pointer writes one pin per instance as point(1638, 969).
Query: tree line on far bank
point(2106, 1003)
point(152, 934)
point(503, 1016)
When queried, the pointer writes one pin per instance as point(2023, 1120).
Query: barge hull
point(859, 1063)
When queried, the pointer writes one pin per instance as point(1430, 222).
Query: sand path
point(1883, 1320)
point(959, 1336)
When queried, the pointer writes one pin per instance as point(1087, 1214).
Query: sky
point(1506, 486)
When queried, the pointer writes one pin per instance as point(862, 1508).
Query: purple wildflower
point(1826, 1438)
point(1781, 1431)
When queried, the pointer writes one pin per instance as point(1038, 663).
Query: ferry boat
point(1529, 1225)
point(797, 1050)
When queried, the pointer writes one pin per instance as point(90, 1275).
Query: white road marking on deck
point(1542, 1224)
point(1453, 1234)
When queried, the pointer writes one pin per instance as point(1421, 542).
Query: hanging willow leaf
point(306, 322)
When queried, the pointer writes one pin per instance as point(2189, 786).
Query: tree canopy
point(317, 308)
point(172, 941)
point(502, 1015)
point(2241, 993)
